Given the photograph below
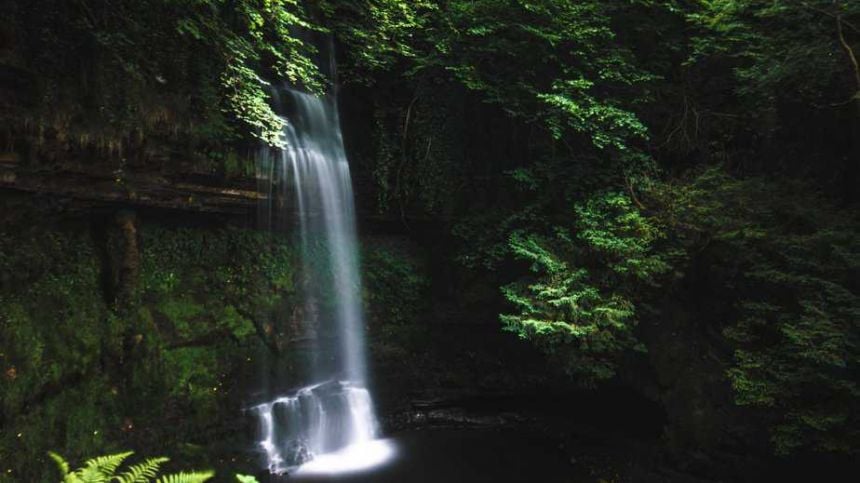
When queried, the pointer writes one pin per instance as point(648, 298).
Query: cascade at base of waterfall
point(318, 420)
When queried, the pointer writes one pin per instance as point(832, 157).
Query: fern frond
point(103, 469)
point(88, 474)
point(187, 477)
point(62, 464)
point(246, 479)
point(107, 464)
point(142, 472)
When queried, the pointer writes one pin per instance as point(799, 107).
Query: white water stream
point(329, 424)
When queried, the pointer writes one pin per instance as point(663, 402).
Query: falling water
point(310, 179)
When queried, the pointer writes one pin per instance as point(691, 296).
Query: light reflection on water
point(442, 455)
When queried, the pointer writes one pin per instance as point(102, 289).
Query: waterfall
point(309, 180)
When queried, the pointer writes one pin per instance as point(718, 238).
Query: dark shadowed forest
point(481, 240)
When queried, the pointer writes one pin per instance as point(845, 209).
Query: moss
point(83, 418)
point(82, 379)
point(52, 313)
point(395, 288)
point(166, 373)
point(395, 293)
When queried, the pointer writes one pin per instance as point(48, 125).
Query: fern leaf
point(246, 479)
point(107, 464)
point(142, 472)
point(187, 477)
point(62, 464)
point(89, 474)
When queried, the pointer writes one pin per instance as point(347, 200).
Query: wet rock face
point(95, 185)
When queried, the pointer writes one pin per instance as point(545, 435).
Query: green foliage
point(396, 281)
point(103, 469)
point(162, 373)
point(576, 70)
point(253, 272)
point(578, 79)
point(579, 304)
point(160, 67)
point(100, 468)
point(744, 96)
point(51, 312)
point(377, 32)
point(141, 472)
point(784, 256)
point(497, 117)
point(248, 99)
point(773, 46)
point(79, 377)
point(253, 37)
point(418, 165)
point(207, 295)
point(559, 71)
point(185, 477)
point(396, 285)
point(789, 259)
point(579, 85)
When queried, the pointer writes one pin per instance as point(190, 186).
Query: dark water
point(452, 455)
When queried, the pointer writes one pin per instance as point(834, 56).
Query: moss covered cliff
point(121, 332)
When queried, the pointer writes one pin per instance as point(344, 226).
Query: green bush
point(579, 303)
point(788, 261)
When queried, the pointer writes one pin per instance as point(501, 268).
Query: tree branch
point(633, 196)
point(848, 50)
point(831, 15)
